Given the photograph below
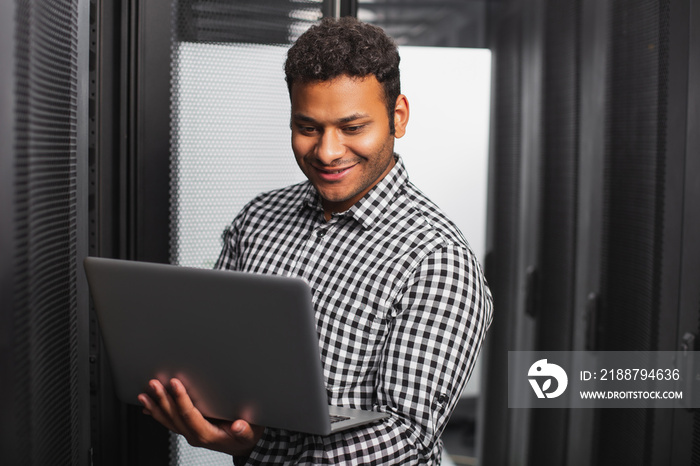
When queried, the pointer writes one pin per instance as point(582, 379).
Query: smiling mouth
point(333, 174)
point(334, 170)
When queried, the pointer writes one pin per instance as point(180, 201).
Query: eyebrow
point(340, 121)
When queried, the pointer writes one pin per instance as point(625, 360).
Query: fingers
point(152, 409)
point(183, 402)
point(174, 409)
point(243, 436)
point(162, 407)
point(243, 432)
point(189, 417)
point(247, 433)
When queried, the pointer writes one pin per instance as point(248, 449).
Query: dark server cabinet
point(610, 90)
point(44, 394)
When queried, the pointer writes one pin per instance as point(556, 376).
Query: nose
point(329, 148)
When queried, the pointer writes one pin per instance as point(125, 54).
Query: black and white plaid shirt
point(401, 307)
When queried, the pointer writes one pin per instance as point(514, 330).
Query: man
point(400, 300)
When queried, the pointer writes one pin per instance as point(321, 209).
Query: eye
point(353, 129)
point(307, 130)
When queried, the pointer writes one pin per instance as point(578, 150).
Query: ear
point(400, 116)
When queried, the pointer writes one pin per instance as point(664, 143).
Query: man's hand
point(174, 409)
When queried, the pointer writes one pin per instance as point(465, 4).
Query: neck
point(330, 207)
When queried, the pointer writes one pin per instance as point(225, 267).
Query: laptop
point(244, 345)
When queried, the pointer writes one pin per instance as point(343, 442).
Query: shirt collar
point(374, 205)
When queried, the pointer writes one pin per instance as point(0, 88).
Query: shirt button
point(320, 233)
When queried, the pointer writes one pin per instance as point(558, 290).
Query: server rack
point(623, 99)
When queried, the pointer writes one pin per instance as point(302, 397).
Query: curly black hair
point(346, 46)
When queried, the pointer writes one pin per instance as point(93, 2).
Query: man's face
point(341, 137)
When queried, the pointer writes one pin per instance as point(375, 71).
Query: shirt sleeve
point(228, 258)
point(439, 320)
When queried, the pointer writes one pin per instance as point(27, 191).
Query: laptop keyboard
point(335, 418)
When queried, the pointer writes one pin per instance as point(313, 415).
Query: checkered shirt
point(401, 306)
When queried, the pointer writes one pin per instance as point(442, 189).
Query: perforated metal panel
point(230, 136)
point(45, 305)
point(230, 123)
point(559, 174)
point(633, 212)
point(635, 156)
